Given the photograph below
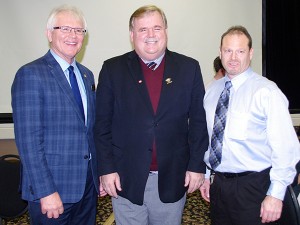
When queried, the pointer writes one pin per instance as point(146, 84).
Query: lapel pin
point(84, 75)
point(169, 81)
point(140, 81)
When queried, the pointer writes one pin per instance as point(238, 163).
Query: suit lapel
point(169, 83)
point(138, 79)
point(62, 82)
point(90, 89)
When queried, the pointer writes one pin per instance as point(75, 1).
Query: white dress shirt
point(259, 133)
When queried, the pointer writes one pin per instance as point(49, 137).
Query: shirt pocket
point(237, 125)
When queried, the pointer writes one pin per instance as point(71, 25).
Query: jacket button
point(86, 157)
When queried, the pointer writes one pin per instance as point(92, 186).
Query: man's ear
point(49, 35)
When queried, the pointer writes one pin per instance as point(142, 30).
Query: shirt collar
point(157, 61)
point(238, 80)
point(63, 64)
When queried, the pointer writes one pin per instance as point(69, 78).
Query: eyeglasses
point(66, 29)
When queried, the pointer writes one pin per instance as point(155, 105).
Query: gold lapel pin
point(169, 81)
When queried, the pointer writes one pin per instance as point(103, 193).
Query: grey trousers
point(152, 212)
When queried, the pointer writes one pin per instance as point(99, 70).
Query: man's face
point(149, 36)
point(235, 54)
point(66, 45)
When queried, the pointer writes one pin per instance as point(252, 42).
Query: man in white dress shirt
point(259, 148)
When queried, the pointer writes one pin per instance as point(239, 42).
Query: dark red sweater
point(153, 81)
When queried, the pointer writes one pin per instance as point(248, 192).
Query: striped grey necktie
point(216, 144)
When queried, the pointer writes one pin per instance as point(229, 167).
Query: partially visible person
point(150, 129)
point(296, 182)
point(254, 162)
point(54, 129)
point(219, 71)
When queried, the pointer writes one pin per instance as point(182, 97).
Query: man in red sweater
point(150, 129)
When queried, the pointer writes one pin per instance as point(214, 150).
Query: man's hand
point(271, 209)
point(111, 183)
point(204, 189)
point(101, 189)
point(52, 205)
point(193, 181)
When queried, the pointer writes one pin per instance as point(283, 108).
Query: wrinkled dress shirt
point(259, 132)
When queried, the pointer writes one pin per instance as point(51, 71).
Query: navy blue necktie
point(151, 65)
point(75, 89)
point(215, 154)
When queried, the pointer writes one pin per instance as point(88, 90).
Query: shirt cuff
point(277, 190)
point(207, 173)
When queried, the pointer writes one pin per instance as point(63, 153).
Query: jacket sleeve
point(27, 104)
point(198, 136)
point(103, 123)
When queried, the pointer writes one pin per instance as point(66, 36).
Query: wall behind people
point(195, 27)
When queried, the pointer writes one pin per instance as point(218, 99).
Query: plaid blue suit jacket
point(52, 139)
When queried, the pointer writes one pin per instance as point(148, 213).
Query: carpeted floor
point(196, 212)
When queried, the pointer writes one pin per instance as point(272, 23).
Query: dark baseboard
point(294, 111)
point(6, 118)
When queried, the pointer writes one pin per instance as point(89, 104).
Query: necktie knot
point(228, 85)
point(151, 65)
point(71, 70)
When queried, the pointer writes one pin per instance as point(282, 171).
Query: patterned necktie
point(215, 154)
point(75, 89)
point(151, 65)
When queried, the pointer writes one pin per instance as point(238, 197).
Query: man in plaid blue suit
point(54, 138)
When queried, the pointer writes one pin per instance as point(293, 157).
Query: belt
point(233, 175)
